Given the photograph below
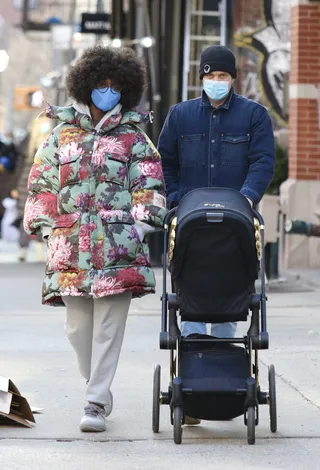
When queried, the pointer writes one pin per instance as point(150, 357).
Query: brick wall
point(304, 141)
point(247, 13)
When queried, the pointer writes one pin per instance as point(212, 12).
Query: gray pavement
point(36, 355)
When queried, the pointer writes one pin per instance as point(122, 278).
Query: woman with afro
point(95, 190)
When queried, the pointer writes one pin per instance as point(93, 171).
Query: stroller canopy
point(214, 264)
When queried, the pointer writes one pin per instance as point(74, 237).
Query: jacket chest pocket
point(116, 170)
point(192, 150)
point(234, 149)
point(69, 169)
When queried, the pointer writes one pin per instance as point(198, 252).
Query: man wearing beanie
point(219, 139)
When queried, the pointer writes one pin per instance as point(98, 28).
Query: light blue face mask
point(105, 98)
point(216, 90)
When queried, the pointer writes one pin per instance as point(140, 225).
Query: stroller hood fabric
point(215, 263)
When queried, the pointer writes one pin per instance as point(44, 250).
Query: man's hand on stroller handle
point(250, 202)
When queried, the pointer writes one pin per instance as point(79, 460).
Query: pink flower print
point(84, 243)
point(112, 145)
point(98, 158)
point(140, 212)
point(110, 214)
point(69, 150)
point(70, 290)
point(142, 260)
point(118, 213)
point(59, 253)
point(85, 236)
point(35, 173)
point(98, 255)
point(106, 286)
point(91, 227)
point(33, 210)
point(84, 231)
point(151, 169)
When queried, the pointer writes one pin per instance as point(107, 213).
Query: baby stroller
point(214, 248)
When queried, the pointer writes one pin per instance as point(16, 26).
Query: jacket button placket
point(212, 148)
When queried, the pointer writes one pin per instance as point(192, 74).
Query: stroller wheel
point(272, 399)
point(156, 399)
point(251, 425)
point(177, 424)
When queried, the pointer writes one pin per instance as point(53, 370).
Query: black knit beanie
point(216, 58)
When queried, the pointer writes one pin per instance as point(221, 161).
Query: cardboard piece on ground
point(13, 406)
point(35, 409)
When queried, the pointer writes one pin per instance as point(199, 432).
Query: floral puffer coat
point(91, 187)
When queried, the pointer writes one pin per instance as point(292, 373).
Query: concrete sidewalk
point(36, 355)
point(9, 252)
point(309, 277)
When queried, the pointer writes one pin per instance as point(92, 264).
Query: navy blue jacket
point(230, 146)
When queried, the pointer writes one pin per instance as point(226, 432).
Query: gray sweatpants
point(95, 328)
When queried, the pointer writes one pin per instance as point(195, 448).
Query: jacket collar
point(83, 109)
point(80, 118)
point(206, 102)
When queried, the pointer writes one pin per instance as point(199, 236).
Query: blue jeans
point(219, 330)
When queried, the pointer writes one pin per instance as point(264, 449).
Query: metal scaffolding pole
point(223, 17)
point(174, 53)
point(154, 57)
point(99, 10)
point(186, 52)
point(25, 15)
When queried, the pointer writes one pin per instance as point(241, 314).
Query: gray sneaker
point(94, 419)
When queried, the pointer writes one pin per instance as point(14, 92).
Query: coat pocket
point(192, 150)
point(69, 169)
point(63, 244)
point(115, 170)
point(234, 149)
point(122, 245)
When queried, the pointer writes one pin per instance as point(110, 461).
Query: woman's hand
point(142, 229)
point(45, 232)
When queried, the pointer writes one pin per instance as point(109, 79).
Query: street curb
point(294, 276)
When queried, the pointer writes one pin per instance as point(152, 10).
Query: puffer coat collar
point(70, 115)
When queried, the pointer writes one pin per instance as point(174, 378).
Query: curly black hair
point(98, 64)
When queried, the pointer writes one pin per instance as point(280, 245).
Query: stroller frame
point(257, 338)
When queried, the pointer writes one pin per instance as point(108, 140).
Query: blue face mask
point(216, 90)
point(105, 98)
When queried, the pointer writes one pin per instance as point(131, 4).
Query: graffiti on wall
point(271, 43)
point(250, 87)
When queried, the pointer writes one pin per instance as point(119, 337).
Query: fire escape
point(205, 25)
